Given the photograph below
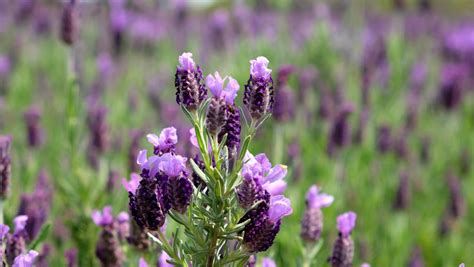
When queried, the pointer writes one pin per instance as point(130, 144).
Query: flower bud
point(258, 95)
point(69, 30)
point(190, 90)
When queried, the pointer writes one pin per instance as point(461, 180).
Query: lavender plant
point(228, 204)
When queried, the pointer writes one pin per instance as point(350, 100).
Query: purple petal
point(168, 137)
point(267, 262)
point(123, 217)
point(103, 218)
point(153, 139)
point(259, 68)
point(215, 84)
point(277, 173)
point(96, 217)
point(142, 157)
point(317, 200)
point(460, 265)
point(173, 165)
point(193, 138)
point(280, 207)
point(264, 162)
point(275, 188)
point(164, 257)
point(132, 185)
point(20, 223)
point(230, 91)
point(25, 260)
point(346, 222)
point(365, 264)
point(142, 263)
point(186, 62)
point(3, 231)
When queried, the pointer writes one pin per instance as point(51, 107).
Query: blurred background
point(374, 103)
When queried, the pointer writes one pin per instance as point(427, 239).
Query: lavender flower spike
point(312, 223)
point(179, 188)
point(142, 263)
point(164, 143)
point(343, 250)
point(258, 95)
point(25, 260)
point(5, 165)
point(223, 96)
point(20, 223)
point(265, 224)
point(190, 90)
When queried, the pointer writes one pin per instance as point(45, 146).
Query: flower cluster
point(312, 223)
point(15, 253)
point(343, 250)
point(223, 196)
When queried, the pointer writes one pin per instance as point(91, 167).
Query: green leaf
point(43, 234)
point(199, 172)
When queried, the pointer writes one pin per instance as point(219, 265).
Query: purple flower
point(34, 131)
point(190, 90)
point(280, 207)
point(166, 142)
point(25, 260)
point(193, 138)
point(259, 68)
point(312, 223)
point(20, 223)
point(315, 199)
point(163, 260)
point(258, 95)
point(267, 262)
point(216, 86)
point(173, 165)
point(69, 29)
point(5, 66)
point(461, 265)
point(142, 263)
point(232, 128)
point(103, 218)
point(5, 165)
point(365, 264)
point(4, 229)
point(104, 64)
point(346, 222)
point(186, 62)
point(132, 185)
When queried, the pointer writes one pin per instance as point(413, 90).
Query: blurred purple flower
point(315, 199)
point(26, 260)
point(268, 262)
point(142, 263)
point(346, 222)
point(164, 143)
point(5, 165)
point(163, 260)
point(104, 218)
point(35, 132)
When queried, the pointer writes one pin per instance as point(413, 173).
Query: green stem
point(212, 247)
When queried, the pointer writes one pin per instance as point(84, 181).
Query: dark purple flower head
point(312, 223)
point(5, 165)
point(340, 132)
point(258, 95)
point(190, 89)
point(98, 132)
point(35, 133)
point(451, 87)
point(69, 25)
point(164, 143)
point(104, 218)
point(283, 73)
point(346, 222)
point(402, 198)
point(284, 98)
point(232, 128)
point(265, 224)
point(384, 140)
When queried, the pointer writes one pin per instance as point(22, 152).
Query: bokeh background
point(374, 99)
